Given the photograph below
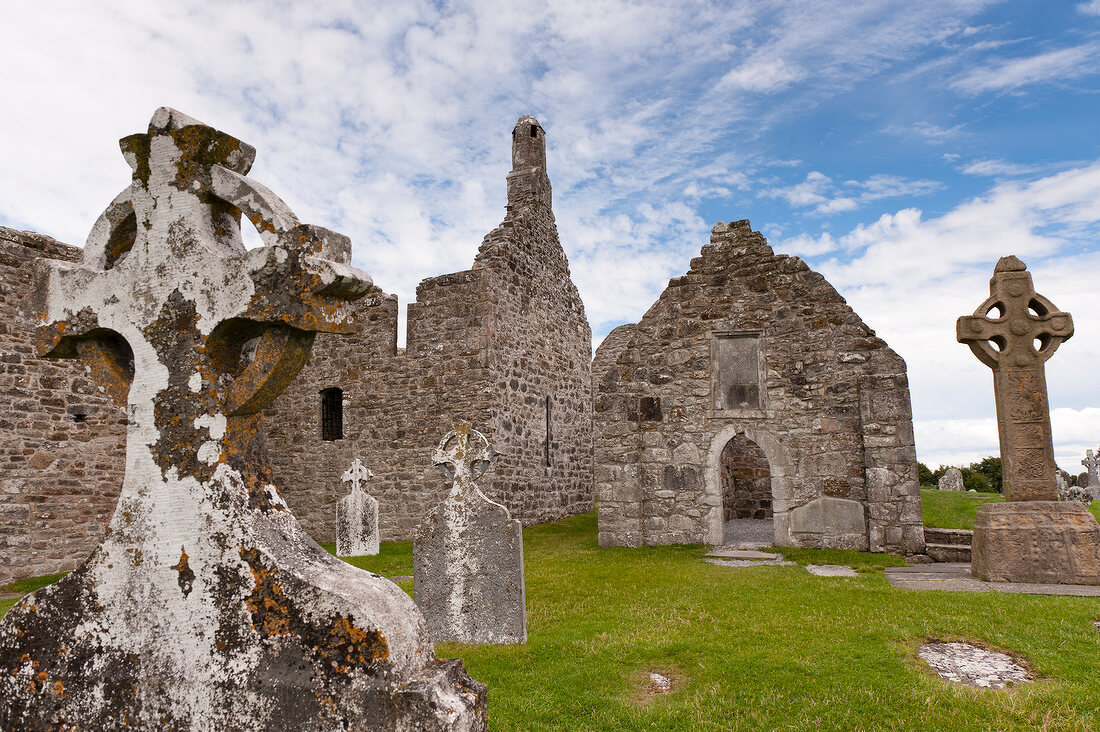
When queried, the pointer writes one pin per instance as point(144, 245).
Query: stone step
point(948, 552)
point(954, 537)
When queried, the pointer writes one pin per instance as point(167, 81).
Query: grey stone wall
point(491, 345)
point(64, 442)
point(829, 407)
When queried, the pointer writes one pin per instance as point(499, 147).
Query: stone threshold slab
point(955, 576)
point(727, 553)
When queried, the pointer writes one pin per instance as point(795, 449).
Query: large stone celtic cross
point(206, 606)
point(1015, 344)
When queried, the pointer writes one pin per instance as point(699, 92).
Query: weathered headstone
point(952, 480)
point(357, 516)
point(468, 554)
point(1091, 463)
point(1083, 479)
point(1031, 537)
point(206, 606)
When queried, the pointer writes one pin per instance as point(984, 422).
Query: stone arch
point(779, 464)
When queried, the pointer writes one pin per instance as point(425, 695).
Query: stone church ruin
point(751, 391)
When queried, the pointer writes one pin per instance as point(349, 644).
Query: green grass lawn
point(761, 648)
point(957, 510)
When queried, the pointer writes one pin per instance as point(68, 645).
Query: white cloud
point(1052, 66)
point(762, 76)
point(827, 197)
point(998, 168)
point(1090, 8)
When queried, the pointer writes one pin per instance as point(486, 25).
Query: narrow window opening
point(547, 446)
point(332, 414)
point(534, 131)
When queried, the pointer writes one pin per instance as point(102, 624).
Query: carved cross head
point(178, 321)
point(463, 455)
point(357, 474)
point(1090, 461)
point(1026, 329)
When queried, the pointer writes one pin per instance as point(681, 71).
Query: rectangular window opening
point(547, 447)
point(332, 414)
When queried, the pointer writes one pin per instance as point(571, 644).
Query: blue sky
point(899, 147)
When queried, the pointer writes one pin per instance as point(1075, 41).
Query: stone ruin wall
point(836, 422)
point(64, 441)
point(487, 345)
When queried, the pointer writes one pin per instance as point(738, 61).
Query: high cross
point(1091, 462)
point(1016, 343)
point(463, 455)
point(357, 474)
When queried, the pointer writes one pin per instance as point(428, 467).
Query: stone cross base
point(468, 570)
point(1050, 542)
point(357, 525)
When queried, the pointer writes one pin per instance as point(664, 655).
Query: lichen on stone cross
point(206, 606)
point(463, 455)
point(1026, 331)
point(357, 474)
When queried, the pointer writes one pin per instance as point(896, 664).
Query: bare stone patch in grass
point(972, 665)
point(650, 683)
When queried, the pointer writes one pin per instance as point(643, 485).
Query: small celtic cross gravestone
point(1026, 332)
point(357, 515)
point(1031, 537)
point(206, 606)
point(1091, 463)
point(468, 554)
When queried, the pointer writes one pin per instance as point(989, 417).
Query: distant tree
point(990, 467)
point(974, 480)
point(924, 475)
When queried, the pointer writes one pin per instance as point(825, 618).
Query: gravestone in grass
point(206, 606)
point(952, 480)
point(1091, 462)
point(468, 554)
point(1032, 536)
point(357, 515)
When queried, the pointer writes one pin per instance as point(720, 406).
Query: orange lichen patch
point(348, 646)
point(58, 689)
point(267, 604)
point(261, 223)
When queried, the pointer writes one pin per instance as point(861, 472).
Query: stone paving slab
point(723, 552)
point(831, 570)
point(955, 576)
point(749, 562)
point(10, 595)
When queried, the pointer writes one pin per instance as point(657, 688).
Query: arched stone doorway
point(745, 482)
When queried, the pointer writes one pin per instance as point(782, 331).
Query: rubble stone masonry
point(61, 459)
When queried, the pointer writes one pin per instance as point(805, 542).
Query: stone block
point(1056, 542)
point(835, 522)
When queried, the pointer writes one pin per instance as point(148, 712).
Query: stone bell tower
point(528, 182)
